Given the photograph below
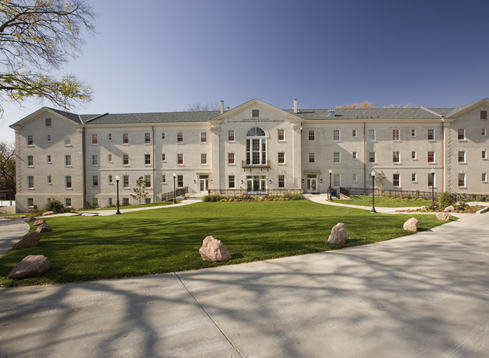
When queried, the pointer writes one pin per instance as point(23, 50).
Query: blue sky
point(162, 55)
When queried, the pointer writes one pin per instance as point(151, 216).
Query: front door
point(256, 184)
point(203, 183)
point(312, 183)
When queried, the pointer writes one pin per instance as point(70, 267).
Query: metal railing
point(248, 164)
point(170, 195)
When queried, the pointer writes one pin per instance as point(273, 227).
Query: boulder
point(30, 266)
point(443, 216)
point(449, 208)
point(425, 208)
point(213, 250)
point(40, 222)
point(411, 224)
point(30, 240)
point(48, 213)
point(31, 218)
point(44, 228)
point(338, 234)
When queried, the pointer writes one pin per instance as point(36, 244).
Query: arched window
point(256, 147)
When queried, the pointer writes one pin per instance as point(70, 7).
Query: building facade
point(254, 148)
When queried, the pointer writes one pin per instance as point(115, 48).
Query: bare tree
point(38, 36)
point(361, 105)
point(199, 107)
point(7, 168)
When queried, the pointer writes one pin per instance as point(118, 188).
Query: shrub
point(54, 205)
point(445, 200)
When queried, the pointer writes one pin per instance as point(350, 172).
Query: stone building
point(254, 148)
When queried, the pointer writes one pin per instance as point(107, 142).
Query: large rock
point(425, 208)
point(44, 228)
point(31, 218)
point(40, 222)
point(30, 240)
point(338, 234)
point(411, 224)
point(30, 266)
point(449, 208)
point(443, 216)
point(213, 250)
point(48, 213)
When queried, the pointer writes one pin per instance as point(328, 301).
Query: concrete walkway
point(11, 231)
point(424, 295)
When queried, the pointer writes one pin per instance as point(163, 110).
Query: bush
point(54, 205)
point(445, 200)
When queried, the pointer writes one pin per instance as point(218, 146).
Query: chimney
point(222, 107)
point(295, 106)
point(228, 108)
point(331, 112)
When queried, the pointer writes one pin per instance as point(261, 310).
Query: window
point(281, 158)
point(68, 140)
point(180, 181)
point(413, 154)
point(30, 182)
point(147, 138)
point(395, 134)
point(483, 114)
point(280, 134)
point(30, 160)
point(431, 134)
point(203, 158)
point(281, 181)
point(231, 182)
point(109, 136)
point(180, 159)
point(430, 180)
point(48, 122)
point(203, 137)
point(354, 155)
point(94, 139)
point(163, 135)
point(256, 147)
point(68, 202)
point(147, 180)
point(48, 159)
point(461, 134)
point(125, 159)
point(255, 113)
point(95, 159)
point(431, 157)
point(461, 179)
point(125, 201)
point(396, 180)
point(68, 160)
point(147, 159)
point(109, 201)
point(147, 200)
point(125, 181)
point(125, 138)
point(413, 177)
point(110, 158)
point(354, 133)
point(461, 156)
point(484, 154)
point(231, 136)
point(230, 158)
point(163, 157)
point(95, 181)
point(163, 178)
point(355, 178)
point(30, 140)
point(336, 157)
point(484, 177)
point(95, 201)
point(371, 134)
point(30, 202)
point(336, 135)
point(371, 157)
point(312, 157)
point(396, 157)
point(50, 180)
point(413, 133)
point(68, 181)
point(311, 134)
point(48, 139)
point(483, 131)
point(180, 137)
point(336, 180)
point(110, 180)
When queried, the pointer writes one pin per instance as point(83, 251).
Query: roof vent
point(331, 112)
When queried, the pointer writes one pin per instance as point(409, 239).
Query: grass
point(387, 202)
point(166, 240)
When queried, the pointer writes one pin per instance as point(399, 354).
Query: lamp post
point(373, 192)
point(330, 196)
point(174, 189)
point(117, 182)
point(432, 187)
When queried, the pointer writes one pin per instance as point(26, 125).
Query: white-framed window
point(180, 159)
point(147, 159)
point(355, 178)
point(109, 201)
point(68, 160)
point(125, 201)
point(110, 180)
point(147, 200)
point(484, 154)
point(48, 122)
point(413, 177)
point(30, 182)
point(203, 158)
point(48, 159)
point(163, 178)
point(354, 154)
point(95, 202)
point(95, 181)
point(231, 160)
point(431, 157)
point(354, 133)
point(180, 181)
point(336, 135)
point(336, 157)
point(413, 154)
point(281, 181)
point(431, 134)
point(431, 182)
point(179, 137)
point(461, 134)
point(396, 157)
point(125, 181)
point(68, 182)
point(312, 157)
point(203, 137)
point(461, 156)
point(484, 132)
point(109, 137)
point(50, 181)
point(311, 135)
point(371, 157)
point(30, 160)
point(109, 157)
point(336, 180)
point(68, 141)
point(461, 179)
point(396, 135)
point(125, 138)
point(231, 182)
point(30, 140)
point(48, 138)
point(163, 157)
point(95, 159)
point(147, 138)
point(125, 159)
point(256, 147)
point(281, 134)
point(484, 177)
point(94, 139)
point(147, 181)
point(68, 202)
point(396, 180)
point(30, 202)
point(281, 158)
point(371, 134)
point(413, 133)
point(163, 135)
point(231, 135)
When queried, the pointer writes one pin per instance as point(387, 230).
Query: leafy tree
point(361, 105)
point(401, 105)
point(7, 168)
point(380, 182)
point(445, 200)
point(199, 107)
point(139, 192)
point(37, 36)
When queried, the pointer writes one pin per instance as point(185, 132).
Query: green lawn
point(159, 203)
point(165, 240)
point(363, 200)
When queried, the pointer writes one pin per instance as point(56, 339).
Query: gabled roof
point(164, 117)
point(459, 110)
point(371, 113)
